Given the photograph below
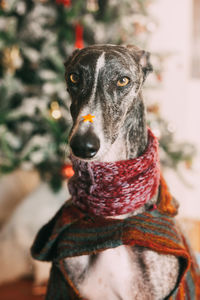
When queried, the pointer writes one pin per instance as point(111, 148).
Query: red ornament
point(67, 3)
point(67, 171)
point(79, 36)
point(64, 2)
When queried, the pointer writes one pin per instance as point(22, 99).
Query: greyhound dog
point(106, 81)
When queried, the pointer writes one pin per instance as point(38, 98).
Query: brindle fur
point(126, 273)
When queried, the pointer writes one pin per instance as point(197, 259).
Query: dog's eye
point(123, 81)
point(74, 78)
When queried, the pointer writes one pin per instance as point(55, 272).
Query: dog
point(109, 125)
point(120, 134)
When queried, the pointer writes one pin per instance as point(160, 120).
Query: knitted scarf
point(115, 188)
point(72, 232)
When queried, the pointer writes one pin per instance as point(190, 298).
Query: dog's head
point(103, 82)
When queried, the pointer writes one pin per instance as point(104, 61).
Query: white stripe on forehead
point(100, 64)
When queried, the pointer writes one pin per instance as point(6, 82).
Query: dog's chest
point(123, 273)
point(110, 277)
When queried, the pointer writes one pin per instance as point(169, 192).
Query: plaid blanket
point(72, 232)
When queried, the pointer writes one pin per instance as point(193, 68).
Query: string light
point(55, 110)
point(12, 59)
point(92, 5)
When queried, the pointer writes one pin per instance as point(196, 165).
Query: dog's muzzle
point(85, 145)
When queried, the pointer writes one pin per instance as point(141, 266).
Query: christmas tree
point(36, 38)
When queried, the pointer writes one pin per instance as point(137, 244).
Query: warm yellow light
point(56, 114)
point(55, 110)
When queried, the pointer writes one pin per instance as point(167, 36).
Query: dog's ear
point(144, 61)
point(143, 58)
point(71, 58)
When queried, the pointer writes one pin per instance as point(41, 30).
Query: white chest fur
point(122, 273)
point(110, 277)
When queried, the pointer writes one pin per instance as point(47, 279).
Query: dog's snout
point(85, 145)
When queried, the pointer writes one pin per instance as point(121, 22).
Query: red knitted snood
point(115, 188)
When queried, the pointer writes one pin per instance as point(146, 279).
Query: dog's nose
point(85, 145)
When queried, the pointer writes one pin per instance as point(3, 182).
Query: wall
point(179, 96)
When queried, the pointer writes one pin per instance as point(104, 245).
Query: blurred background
point(36, 37)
